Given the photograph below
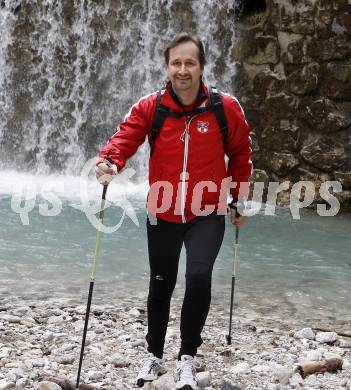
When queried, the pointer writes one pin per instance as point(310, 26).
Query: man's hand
point(104, 173)
point(237, 219)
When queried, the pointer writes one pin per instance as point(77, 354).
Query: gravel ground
point(40, 339)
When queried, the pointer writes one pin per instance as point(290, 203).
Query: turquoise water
point(286, 267)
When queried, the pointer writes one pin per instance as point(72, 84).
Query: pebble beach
point(40, 340)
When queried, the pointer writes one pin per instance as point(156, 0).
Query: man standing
point(185, 201)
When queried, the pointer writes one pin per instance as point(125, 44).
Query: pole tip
point(229, 339)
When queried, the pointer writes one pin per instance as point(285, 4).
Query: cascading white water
point(70, 70)
point(7, 23)
point(214, 23)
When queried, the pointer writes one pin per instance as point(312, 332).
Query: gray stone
point(28, 322)
point(272, 386)
point(65, 359)
point(21, 383)
point(240, 368)
point(149, 386)
point(5, 384)
point(305, 333)
point(125, 337)
point(261, 368)
point(326, 337)
point(38, 362)
point(11, 376)
point(314, 355)
point(5, 352)
point(134, 312)
point(138, 343)
point(55, 319)
point(203, 379)
point(332, 355)
point(95, 376)
point(283, 374)
point(46, 385)
point(54, 312)
point(165, 382)
point(10, 318)
point(311, 380)
point(230, 384)
point(22, 311)
point(118, 360)
point(296, 380)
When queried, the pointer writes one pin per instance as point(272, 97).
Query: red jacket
point(195, 148)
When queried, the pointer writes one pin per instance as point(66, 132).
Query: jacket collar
point(171, 100)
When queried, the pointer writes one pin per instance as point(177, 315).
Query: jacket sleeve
point(238, 148)
point(130, 133)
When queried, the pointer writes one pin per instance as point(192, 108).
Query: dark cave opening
point(251, 7)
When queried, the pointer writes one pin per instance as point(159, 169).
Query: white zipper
point(185, 137)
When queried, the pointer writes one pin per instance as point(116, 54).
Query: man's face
point(184, 68)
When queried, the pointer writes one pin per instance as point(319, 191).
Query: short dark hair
point(186, 37)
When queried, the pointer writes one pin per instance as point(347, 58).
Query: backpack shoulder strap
point(217, 106)
point(162, 112)
point(160, 115)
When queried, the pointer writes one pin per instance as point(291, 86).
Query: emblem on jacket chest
point(202, 127)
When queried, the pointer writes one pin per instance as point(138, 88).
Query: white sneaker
point(151, 369)
point(185, 374)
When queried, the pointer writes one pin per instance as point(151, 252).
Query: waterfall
point(70, 70)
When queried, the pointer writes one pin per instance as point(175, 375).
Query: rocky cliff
point(294, 80)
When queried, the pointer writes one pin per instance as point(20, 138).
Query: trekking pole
point(236, 243)
point(92, 279)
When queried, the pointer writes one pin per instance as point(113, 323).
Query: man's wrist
point(100, 160)
point(108, 161)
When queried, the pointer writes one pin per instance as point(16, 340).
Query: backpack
point(163, 111)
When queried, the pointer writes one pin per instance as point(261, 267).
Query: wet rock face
point(281, 163)
point(325, 154)
point(324, 115)
point(304, 80)
point(266, 51)
point(295, 59)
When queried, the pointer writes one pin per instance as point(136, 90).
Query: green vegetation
point(255, 18)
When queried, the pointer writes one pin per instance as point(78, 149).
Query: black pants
point(203, 238)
